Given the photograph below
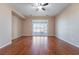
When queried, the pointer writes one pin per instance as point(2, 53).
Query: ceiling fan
point(41, 6)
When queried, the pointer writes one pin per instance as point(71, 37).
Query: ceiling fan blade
point(43, 9)
point(45, 4)
point(37, 9)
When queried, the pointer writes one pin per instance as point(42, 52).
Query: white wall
point(67, 25)
point(5, 25)
point(27, 29)
point(16, 26)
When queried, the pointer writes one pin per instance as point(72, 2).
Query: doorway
point(40, 27)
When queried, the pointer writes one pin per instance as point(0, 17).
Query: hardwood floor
point(39, 45)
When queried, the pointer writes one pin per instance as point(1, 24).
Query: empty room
point(39, 28)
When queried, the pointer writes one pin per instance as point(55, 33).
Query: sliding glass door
point(40, 27)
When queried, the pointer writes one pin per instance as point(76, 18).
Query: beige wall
point(67, 25)
point(5, 25)
point(27, 29)
point(16, 26)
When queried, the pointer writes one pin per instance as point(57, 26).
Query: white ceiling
point(28, 10)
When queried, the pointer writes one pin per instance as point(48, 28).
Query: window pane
point(40, 27)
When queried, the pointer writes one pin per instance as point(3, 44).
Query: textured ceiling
point(27, 9)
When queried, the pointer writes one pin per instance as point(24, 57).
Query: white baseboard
point(16, 37)
point(67, 41)
point(32, 35)
point(5, 45)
